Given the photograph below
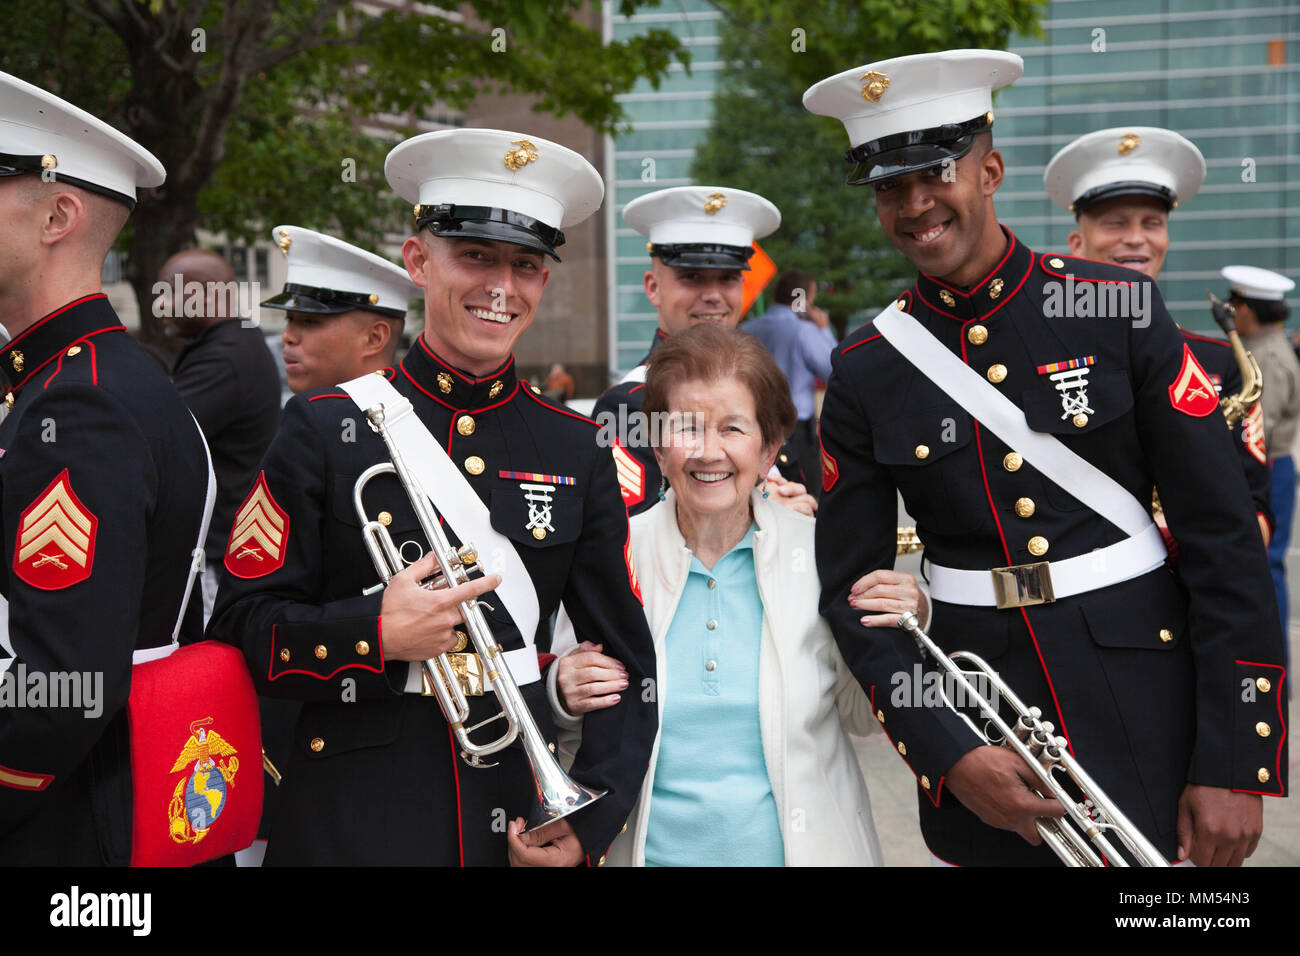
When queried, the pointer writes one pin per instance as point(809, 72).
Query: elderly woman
point(753, 764)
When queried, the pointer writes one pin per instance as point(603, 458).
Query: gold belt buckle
point(1023, 585)
point(468, 669)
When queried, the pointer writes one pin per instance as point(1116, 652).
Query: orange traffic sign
point(761, 271)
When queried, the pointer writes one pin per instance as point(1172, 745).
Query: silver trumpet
point(557, 794)
point(1093, 815)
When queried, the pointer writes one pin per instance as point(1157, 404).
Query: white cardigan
point(807, 696)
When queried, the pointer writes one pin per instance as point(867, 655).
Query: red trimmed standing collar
point(988, 295)
point(454, 388)
point(37, 346)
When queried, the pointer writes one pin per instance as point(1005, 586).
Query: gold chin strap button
point(1012, 461)
point(363, 648)
point(977, 334)
point(1263, 729)
point(465, 425)
point(317, 745)
point(474, 465)
point(923, 452)
point(1038, 546)
point(1263, 775)
point(996, 373)
point(1166, 635)
point(902, 748)
point(1263, 684)
point(321, 652)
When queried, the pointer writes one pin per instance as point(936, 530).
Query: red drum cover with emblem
point(196, 756)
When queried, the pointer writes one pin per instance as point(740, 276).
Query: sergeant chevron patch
point(260, 534)
point(56, 538)
point(1192, 392)
point(1253, 433)
point(631, 476)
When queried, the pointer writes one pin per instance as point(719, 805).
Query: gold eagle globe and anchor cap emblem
point(1128, 143)
point(874, 85)
point(523, 153)
point(714, 203)
point(201, 795)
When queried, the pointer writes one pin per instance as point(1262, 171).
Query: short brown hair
point(710, 353)
point(789, 282)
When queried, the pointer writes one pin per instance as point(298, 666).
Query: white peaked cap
point(1125, 160)
point(693, 215)
point(1255, 283)
point(45, 132)
point(911, 94)
point(327, 276)
point(515, 172)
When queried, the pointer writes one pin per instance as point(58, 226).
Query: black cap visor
point(912, 151)
point(495, 225)
point(317, 301)
point(699, 255)
point(11, 165)
point(1134, 188)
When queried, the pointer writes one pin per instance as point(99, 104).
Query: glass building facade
point(1223, 74)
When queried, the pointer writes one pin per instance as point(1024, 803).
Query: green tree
point(255, 107)
point(763, 140)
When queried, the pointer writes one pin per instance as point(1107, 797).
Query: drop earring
point(764, 490)
point(663, 487)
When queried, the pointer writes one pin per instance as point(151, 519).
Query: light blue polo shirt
point(712, 802)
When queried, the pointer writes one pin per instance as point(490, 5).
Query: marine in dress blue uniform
point(374, 776)
point(693, 231)
point(1122, 184)
point(103, 475)
point(1159, 681)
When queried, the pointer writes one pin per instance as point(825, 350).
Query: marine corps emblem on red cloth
point(631, 476)
point(830, 467)
point(200, 797)
point(1192, 392)
point(56, 538)
point(259, 536)
point(1252, 433)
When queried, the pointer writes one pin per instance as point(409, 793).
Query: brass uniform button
point(474, 465)
point(1024, 507)
point(1263, 775)
point(880, 716)
point(74, 351)
point(947, 298)
point(1263, 684)
point(902, 748)
point(321, 652)
point(9, 400)
point(1012, 461)
point(1038, 546)
point(1080, 420)
point(977, 335)
point(901, 304)
point(48, 161)
point(363, 648)
point(1056, 263)
point(495, 390)
point(284, 654)
point(925, 781)
point(537, 390)
point(997, 373)
point(624, 830)
point(995, 288)
point(539, 533)
point(385, 518)
point(317, 745)
point(373, 299)
point(444, 383)
point(785, 459)
point(1166, 635)
point(1263, 729)
point(551, 747)
point(601, 861)
point(923, 452)
point(465, 425)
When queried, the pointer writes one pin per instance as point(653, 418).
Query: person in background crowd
point(799, 336)
point(559, 385)
point(229, 381)
point(1259, 297)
